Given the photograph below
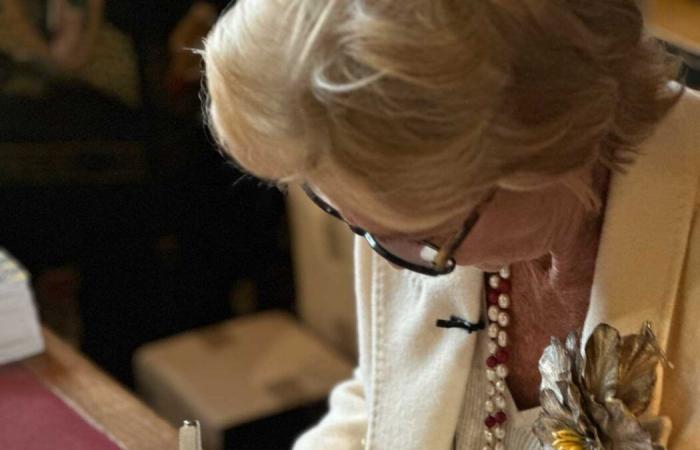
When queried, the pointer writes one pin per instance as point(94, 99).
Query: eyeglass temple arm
point(447, 250)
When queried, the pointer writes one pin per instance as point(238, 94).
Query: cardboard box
point(254, 383)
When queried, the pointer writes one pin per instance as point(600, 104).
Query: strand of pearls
point(498, 290)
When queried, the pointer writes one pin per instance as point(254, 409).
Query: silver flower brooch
point(594, 401)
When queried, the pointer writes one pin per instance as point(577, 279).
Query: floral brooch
point(594, 401)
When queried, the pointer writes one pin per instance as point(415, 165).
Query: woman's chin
point(493, 265)
point(488, 267)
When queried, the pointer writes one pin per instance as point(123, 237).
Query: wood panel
point(677, 21)
point(110, 405)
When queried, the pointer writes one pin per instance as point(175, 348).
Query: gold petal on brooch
point(602, 358)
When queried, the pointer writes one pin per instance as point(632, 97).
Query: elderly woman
point(528, 164)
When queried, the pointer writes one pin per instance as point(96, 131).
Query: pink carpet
point(34, 418)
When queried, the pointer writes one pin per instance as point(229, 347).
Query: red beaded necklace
point(498, 288)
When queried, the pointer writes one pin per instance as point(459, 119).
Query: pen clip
point(190, 435)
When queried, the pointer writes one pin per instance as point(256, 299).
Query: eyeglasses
point(418, 256)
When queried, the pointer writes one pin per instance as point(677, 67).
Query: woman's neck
point(568, 268)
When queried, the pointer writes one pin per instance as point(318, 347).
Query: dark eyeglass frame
point(442, 264)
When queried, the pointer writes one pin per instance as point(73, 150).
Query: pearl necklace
point(498, 289)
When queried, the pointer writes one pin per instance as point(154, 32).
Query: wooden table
point(111, 406)
point(677, 21)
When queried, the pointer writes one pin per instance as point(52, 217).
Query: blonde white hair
point(407, 107)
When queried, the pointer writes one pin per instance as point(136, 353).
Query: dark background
point(138, 247)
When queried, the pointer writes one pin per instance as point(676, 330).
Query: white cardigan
point(408, 388)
